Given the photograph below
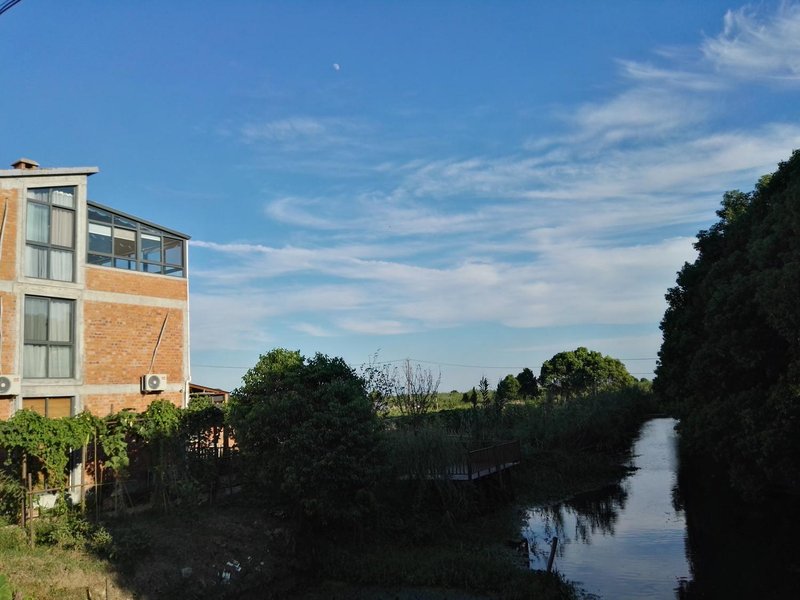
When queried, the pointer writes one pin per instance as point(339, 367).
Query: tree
point(483, 388)
point(415, 391)
point(507, 391)
point(311, 435)
point(579, 372)
point(729, 363)
point(528, 385)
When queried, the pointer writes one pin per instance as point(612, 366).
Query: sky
point(474, 186)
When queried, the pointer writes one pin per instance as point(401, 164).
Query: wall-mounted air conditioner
point(154, 382)
point(10, 385)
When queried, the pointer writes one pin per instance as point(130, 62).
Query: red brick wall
point(107, 279)
point(120, 340)
point(5, 408)
point(106, 404)
point(10, 203)
point(8, 332)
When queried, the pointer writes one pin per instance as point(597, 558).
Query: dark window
point(49, 339)
point(124, 243)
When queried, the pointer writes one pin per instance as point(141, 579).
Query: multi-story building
point(94, 311)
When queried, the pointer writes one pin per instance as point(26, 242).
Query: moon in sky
point(336, 66)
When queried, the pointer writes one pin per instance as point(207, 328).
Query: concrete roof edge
point(49, 172)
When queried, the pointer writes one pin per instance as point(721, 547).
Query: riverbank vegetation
point(729, 366)
point(340, 494)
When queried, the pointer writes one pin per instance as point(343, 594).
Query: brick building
point(94, 303)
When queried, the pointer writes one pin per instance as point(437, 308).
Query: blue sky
point(475, 185)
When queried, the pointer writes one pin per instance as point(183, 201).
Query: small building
point(94, 302)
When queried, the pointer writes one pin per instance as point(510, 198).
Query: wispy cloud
point(756, 45)
point(587, 225)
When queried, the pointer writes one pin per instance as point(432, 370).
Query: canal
point(626, 540)
point(669, 531)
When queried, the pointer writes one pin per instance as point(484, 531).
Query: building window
point(53, 408)
point(119, 241)
point(50, 233)
point(49, 338)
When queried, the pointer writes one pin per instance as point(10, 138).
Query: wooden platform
point(487, 461)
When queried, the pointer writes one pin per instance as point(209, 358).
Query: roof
point(49, 172)
point(140, 220)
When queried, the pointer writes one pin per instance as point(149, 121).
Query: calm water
point(625, 541)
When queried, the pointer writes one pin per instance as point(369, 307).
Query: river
point(627, 540)
point(669, 531)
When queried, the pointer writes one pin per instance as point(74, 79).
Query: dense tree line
point(730, 359)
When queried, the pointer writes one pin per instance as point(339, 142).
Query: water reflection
point(627, 540)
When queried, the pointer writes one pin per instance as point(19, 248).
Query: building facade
point(94, 303)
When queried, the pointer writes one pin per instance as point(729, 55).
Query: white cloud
point(753, 45)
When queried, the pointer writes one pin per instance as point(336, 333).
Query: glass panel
point(174, 271)
point(37, 405)
point(151, 268)
point(105, 261)
point(61, 265)
point(59, 407)
point(99, 238)
point(60, 361)
point(39, 194)
point(36, 319)
point(36, 262)
point(60, 321)
point(125, 264)
point(38, 223)
point(98, 214)
point(34, 360)
point(123, 222)
point(173, 251)
point(151, 247)
point(63, 229)
point(63, 197)
point(124, 243)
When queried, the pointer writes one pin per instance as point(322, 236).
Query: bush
point(311, 436)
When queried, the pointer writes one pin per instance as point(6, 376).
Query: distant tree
point(415, 391)
point(473, 397)
point(581, 371)
point(310, 435)
point(507, 391)
point(379, 381)
point(483, 388)
point(528, 384)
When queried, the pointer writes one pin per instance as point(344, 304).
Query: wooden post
point(84, 453)
point(30, 505)
point(24, 496)
point(553, 546)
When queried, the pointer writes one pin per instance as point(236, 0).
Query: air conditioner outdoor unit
point(9, 385)
point(154, 382)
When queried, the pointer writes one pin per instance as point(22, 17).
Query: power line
point(9, 4)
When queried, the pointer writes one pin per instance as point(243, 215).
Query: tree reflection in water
point(576, 519)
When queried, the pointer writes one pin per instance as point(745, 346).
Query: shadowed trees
point(730, 360)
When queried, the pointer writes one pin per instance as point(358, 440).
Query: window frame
point(49, 247)
point(114, 221)
point(47, 400)
point(27, 340)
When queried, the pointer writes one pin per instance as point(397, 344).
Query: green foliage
point(508, 390)
point(730, 360)
point(528, 384)
point(311, 435)
point(580, 372)
point(11, 496)
point(46, 440)
point(6, 593)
